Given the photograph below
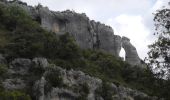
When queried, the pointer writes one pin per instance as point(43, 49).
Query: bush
point(54, 78)
point(21, 36)
point(105, 91)
point(3, 70)
point(83, 91)
point(14, 95)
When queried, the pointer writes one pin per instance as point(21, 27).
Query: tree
point(159, 54)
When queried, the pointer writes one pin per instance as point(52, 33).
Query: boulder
point(39, 88)
point(20, 66)
point(14, 84)
point(40, 62)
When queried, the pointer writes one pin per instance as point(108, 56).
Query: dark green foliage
point(23, 34)
point(85, 88)
point(3, 69)
point(54, 78)
point(141, 79)
point(103, 65)
point(83, 91)
point(141, 98)
point(62, 47)
point(20, 36)
point(23, 37)
point(159, 55)
point(14, 95)
point(105, 91)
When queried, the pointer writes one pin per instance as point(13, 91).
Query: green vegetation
point(3, 69)
point(84, 91)
point(21, 36)
point(53, 77)
point(161, 47)
point(159, 55)
point(105, 91)
point(14, 95)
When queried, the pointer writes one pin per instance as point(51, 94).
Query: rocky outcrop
point(105, 39)
point(87, 33)
point(131, 54)
point(40, 62)
point(20, 67)
point(71, 84)
point(77, 25)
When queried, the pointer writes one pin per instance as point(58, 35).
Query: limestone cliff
point(87, 33)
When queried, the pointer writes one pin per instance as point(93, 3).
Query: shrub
point(3, 70)
point(14, 95)
point(105, 91)
point(54, 77)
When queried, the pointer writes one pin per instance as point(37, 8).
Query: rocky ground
point(50, 82)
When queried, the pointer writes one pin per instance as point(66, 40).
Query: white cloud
point(134, 28)
point(99, 10)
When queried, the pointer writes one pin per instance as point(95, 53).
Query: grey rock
point(72, 78)
point(14, 84)
point(117, 44)
point(68, 21)
point(39, 87)
point(87, 33)
point(72, 83)
point(114, 88)
point(61, 94)
point(131, 53)
point(105, 38)
point(20, 66)
point(40, 62)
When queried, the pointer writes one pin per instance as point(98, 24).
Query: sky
point(130, 18)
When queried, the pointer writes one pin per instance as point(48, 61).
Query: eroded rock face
point(131, 54)
point(74, 85)
point(20, 66)
point(87, 33)
point(117, 45)
point(14, 84)
point(105, 38)
point(77, 25)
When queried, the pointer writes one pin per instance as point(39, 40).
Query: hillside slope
point(36, 64)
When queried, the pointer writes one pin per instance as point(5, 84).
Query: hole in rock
point(122, 54)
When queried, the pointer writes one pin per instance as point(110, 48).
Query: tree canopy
point(159, 54)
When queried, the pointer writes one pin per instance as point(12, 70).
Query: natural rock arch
point(131, 55)
point(87, 33)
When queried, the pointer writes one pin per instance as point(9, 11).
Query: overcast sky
point(130, 18)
